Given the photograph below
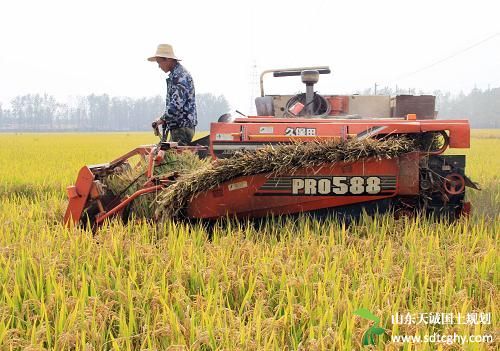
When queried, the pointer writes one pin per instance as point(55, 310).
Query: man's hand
point(157, 122)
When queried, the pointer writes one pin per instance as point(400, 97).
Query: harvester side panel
point(308, 189)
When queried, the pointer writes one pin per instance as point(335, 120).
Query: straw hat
point(164, 50)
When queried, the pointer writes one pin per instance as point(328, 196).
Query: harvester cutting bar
point(103, 215)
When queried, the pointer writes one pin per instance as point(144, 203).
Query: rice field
point(289, 285)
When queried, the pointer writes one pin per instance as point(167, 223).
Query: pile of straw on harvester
point(199, 175)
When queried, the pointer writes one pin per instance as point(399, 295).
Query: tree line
point(41, 112)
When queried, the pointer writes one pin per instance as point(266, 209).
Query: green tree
point(209, 108)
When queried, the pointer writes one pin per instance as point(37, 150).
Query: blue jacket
point(180, 108)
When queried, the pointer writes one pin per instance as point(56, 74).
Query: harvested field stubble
point(290, 284)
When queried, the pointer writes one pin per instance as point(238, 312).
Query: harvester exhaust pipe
point(309, 78)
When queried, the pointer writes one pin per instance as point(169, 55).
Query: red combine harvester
point(421, 181)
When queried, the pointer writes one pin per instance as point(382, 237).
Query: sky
point(73, 48)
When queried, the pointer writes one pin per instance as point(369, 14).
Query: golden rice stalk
point(132, 179)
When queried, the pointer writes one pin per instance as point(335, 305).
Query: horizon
point(67, 49)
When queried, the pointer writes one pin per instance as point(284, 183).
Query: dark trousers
point(182, 135)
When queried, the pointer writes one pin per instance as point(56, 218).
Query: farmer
point(180, 111)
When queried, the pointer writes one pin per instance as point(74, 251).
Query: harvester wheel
point(454, 184)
